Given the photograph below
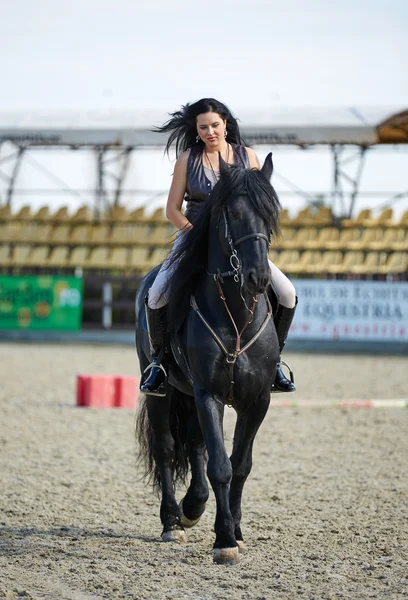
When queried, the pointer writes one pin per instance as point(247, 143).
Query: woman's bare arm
point(253, 159)
point(176, 194)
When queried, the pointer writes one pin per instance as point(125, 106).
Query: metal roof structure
point(126, 131)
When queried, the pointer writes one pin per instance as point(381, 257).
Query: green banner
point(43, 302)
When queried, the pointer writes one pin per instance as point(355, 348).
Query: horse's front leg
point(219, 471)
point(163, 454)
point(246, 429)
point(193, 504)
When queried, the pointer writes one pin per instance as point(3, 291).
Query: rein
point(231, 357)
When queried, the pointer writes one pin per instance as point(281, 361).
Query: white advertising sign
point(351, 310)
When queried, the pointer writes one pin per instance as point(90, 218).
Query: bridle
point(236, 273)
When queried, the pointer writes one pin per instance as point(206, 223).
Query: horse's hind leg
point(163, 449)
point(193, 504)
point(241, 458)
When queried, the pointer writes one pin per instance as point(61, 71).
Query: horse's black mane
point(191, 255)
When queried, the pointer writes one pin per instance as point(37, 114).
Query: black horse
point(224, 352)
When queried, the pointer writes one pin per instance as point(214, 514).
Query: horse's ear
point(223, 165)
point(267, 168)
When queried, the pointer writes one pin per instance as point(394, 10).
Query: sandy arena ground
point(325, 509)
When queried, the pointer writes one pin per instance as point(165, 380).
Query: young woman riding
point(202, 131)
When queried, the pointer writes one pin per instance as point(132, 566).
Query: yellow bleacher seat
point(363, 216)
point(350, 259)
point(323, 217)
point(127, 234)
point(98, 258)
point(157, 257)
point(284, 218)
point(24, 214)
point(118, 213)
point(303, 235)
point(401, 240)
point(383, 220)
point(5, 255)
point(80, 234)
point(118, 258)
point(307, 260)
point(403, 222)
point(161, 235)
point(397, 263)
point(138, 215)
point(390, 236)
point(346, 236)
point(327, 234)
point(20, 255)
point(286, 257)
point(58, 257)
point(99, 234)
point(34, 232)
point(158, 216)
point(62, 215)
point(82, 215)
point(78, 257)
point(371, 264)
point(42, 214)
point(369, 235)
point(138, 258)
point(286, 234)
point(272, 255)
point(328, 258)
point(9, 231)
point(42, 233)
point(38, 257)
point(303, 218)
point(5, 213)
point(60, 234)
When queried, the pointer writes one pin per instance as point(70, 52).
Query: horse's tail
point(179, 415)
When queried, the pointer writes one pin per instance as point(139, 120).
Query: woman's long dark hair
point(183, 129)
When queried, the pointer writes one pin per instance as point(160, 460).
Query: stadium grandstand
point(108, 242)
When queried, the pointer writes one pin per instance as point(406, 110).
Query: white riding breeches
point(158, 296)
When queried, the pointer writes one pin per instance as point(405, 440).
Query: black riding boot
point(283, 320)
point(154, 378)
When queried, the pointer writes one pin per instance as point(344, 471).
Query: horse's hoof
point(226, 556)
point(241, 546)
point(174, 535)
point(187, 523)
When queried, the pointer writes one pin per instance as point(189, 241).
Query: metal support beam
point(107, 196)
point(10, 180)
point(345, 185)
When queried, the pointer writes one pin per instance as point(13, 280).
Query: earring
point(197, 139)
point(225, 133)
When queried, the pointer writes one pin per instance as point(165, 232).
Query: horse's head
point(246, 221)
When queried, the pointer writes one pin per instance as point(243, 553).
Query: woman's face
point(210, 128)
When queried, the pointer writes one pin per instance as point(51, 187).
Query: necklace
point(209, 162)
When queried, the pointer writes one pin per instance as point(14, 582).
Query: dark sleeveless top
point(198, 185)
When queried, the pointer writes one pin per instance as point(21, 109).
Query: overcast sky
point(140, 54)
point(129, 54)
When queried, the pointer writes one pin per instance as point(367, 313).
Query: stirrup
point(291, 376)
point(162, 388)
point(277, 390)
